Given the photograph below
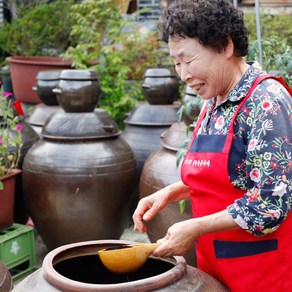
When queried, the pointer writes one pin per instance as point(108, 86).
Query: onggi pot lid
point(78, 74)
point(80, 126)
point(49, 75)
point(153, 115)
point(175, 136)
point(159, 72)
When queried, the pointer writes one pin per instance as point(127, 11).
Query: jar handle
point(108, 128)
point(57, 90)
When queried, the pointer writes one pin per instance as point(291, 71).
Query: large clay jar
point(78, 179)
point(6, 284)
point(77, 267)
point(160, 86)
point(160, 170)
point(29, 138)
point(144, 125)
point(78, 90)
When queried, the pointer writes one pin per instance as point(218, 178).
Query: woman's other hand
point(149, 206)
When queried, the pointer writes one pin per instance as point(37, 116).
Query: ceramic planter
point(24, 70)
point(7, 199)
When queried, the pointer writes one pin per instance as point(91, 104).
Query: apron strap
point(229, 137)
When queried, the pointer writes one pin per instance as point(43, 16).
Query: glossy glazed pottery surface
point(160, 86)
point(78, 90)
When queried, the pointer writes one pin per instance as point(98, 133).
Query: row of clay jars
point(160, 86)
point(53, 87)
point(79, 177)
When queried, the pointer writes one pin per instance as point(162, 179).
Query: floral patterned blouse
point(261, 154)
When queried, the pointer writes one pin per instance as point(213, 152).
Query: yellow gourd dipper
point(126, 258)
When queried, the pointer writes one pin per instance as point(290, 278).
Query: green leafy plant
point(10, 137)
point(38, 29)
point(277, 57)
point(117, 49)
point(272, 25)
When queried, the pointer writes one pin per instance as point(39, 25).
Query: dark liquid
point(89, 269)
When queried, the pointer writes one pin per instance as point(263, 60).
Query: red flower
point(274, 165)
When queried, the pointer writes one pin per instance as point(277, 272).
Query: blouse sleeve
point(268, 199)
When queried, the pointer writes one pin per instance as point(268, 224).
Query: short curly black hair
point(212, 22)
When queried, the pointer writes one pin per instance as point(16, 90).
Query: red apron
point(237, 258)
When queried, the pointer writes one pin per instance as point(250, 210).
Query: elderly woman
point(238, 168)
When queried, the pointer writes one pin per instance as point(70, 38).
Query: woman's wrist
point(220, 221)
point(177, 191)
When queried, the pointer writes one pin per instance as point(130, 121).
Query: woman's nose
point(185, 74)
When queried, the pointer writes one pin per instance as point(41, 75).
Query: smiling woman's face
point(203, 69)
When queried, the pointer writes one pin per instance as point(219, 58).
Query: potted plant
point(10, 153)
point(36, 36)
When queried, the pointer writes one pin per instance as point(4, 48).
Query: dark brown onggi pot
point(6, 283)
point(24, 69)
point(78, 179)
point(78, 90)
point(160, 86)
point(144, 125)
point(29, 138)
point(46, 82)
point(77, 267)
point(160, 170)
point(39, 115)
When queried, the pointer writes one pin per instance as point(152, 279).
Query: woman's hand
point(179, 239)
point(149, 206)
point(181, 236)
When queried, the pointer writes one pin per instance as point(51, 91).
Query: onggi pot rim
point(91, 247)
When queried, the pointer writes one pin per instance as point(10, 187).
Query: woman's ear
point(229, 49)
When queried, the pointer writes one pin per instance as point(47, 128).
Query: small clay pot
point(160, 86)
point(46, 82)
point(78, 90)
